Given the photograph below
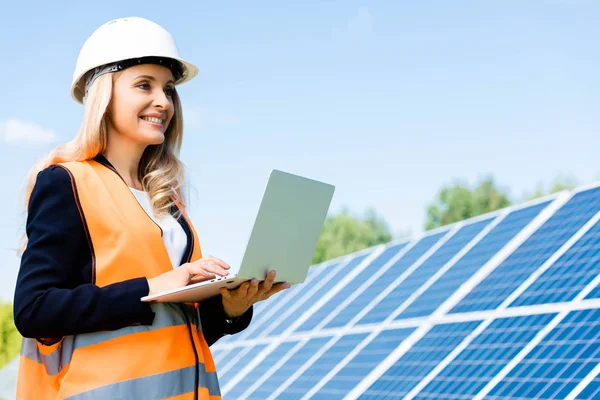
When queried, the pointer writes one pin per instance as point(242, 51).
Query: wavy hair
point(160, 171)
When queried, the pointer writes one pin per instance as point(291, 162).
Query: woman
point(106, 226)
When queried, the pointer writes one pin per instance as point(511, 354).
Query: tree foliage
point(558, 185)
point(458, 202)
point(344, 234)
point(10, 339)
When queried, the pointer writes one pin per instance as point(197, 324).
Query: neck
point(125, 158)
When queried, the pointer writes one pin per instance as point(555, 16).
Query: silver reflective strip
point(166, 315)
point(158, 386)
point(53, 362)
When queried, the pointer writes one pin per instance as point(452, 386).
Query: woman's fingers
point(217, 261)
point(278, 287)
point(206, 269)
point(252, 289)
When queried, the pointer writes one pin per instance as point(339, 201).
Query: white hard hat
point(127, 39)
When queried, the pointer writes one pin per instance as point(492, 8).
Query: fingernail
point(254, 282)
point(287, 285)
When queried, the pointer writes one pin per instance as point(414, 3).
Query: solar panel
point(481, 360)
point(533, 253)
point(503, 306)
point(394, 272)
point(567, 276)
point(558, 363)
point(417, 362)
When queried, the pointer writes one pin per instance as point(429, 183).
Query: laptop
point(284, 238)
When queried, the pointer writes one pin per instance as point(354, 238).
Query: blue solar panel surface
point(490, 293)
point(358, 280)
point(475, 258)
point(280, 300)
point(289, 368)
point(400, 266)
point(417, 362)
point(234, 357)
point(484, 357)
point(323, 366)
point(558, 363)
point(568, 275)
point(437, 260)
point(363, 363)
point(591, 391)
point(302, 305)
point(260, 369)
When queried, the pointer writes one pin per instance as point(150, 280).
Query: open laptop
point(284, 237)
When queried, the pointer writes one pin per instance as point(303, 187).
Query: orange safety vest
point(161, 361)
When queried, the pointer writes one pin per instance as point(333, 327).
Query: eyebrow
point(151, 78)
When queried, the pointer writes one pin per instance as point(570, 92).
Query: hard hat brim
point(190, 71)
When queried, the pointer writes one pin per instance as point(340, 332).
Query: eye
point(144, 86)
point(169, 91)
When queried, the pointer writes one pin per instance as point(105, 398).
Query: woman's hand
point(194, 272)
point(237, 301)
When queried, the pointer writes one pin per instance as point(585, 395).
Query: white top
point(174, 236)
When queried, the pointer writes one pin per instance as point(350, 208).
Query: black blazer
point(55, 296)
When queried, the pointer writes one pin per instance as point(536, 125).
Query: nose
point(161, 100)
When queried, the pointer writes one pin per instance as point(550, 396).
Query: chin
point(154, 139)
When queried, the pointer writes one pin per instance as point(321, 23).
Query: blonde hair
point(160, 171)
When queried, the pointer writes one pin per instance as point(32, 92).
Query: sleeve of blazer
point(53, 298)
point(214, 320)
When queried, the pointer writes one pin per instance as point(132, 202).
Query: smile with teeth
point(154, 120)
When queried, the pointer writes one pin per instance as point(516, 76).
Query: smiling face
point(142, 103)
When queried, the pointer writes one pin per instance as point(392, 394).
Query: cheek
point(124, 118)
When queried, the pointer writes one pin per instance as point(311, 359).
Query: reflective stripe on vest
point(140, 361)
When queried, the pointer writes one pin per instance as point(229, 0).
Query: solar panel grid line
point(550, 261)
point(353, 288)
point(276, 303)
point(536, 340)
point(499, 257)
point(232, 361)
point(364, 343)
point(583, 384)
point(322, 272)
point(304, 367)
point(306, 292)
point(280, 338)
point(271, 370)
point(389, 288)
point(535, 309)
point(330, 293)
point(584, 304)
point(440, 272)
point(508, 276)
point(323, 268)
point(390, 360)
point(448, 359)
point(221, 355)
point(366, 284)
point(560, 361)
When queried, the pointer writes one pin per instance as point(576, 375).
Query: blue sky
point(388, 100)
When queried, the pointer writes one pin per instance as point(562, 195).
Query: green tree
point(10, 339)
point(344, 234)
point(558, 185)
point(458, 202)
